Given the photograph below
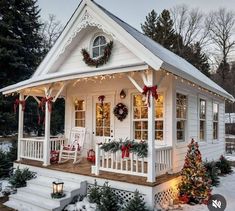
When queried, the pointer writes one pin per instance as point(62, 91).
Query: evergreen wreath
point(120, 111)
point(101, 60)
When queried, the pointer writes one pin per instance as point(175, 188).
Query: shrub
point(224, 166)
point(212, 172)
point(94, 194)
point(109, 200)
point(20, 177)
point(136, 204)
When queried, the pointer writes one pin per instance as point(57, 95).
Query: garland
point(139, 148)
point(101, 60)
point(120, 111)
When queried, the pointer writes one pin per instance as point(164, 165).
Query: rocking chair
point(74, 150)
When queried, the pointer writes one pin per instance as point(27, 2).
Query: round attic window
point(98, 46)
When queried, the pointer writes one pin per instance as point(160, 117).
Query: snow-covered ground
point(230, 157)
point(226, 189)
point(3, 185)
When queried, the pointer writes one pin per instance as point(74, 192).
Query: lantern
point(91, 155)
point(58, 190)
point(122, 94)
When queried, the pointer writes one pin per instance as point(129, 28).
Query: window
point(80, 113)
point(181, 116)
point(98, 46)
point(202, 119)
point(215, 120)
point(140, 118)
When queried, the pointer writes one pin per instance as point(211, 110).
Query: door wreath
point(120, 111)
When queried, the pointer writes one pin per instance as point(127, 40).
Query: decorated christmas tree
point(195, 186)
point(136, 204)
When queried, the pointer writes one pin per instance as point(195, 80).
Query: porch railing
point(32, 148)
point(163, 160)
point(134, 165)
point(113, 162)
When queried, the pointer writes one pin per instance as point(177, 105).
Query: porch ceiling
point(37, 84)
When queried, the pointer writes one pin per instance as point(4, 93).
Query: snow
point(226, 189)
point(230, 157)
point(3, 185)
point(83, 205)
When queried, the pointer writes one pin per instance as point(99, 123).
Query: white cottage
point(116, 65)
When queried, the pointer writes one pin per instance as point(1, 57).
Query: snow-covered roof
point(170, 61)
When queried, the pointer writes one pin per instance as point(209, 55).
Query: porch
point(108, 165)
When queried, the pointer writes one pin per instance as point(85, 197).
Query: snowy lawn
point(226, 189)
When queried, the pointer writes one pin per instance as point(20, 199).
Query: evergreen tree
point(136, 204)
point(195, 186)
point(94, 194)
point(20, 50)
point(150, 25)
point(160, 29)
point(109, 200)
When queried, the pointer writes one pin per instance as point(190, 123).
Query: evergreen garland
point(136, 204)
point(139, 148)
point(101, 60)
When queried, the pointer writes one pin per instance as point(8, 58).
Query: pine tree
point(150, 25)
point(20, 50)
point(136, 204)
point(160, 29)
point(109, 200)
point(94, 194)
point(195, 186)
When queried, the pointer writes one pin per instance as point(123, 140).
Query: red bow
point(126, 151)
point(17, 102)
point(43, 102)
point(147, 91)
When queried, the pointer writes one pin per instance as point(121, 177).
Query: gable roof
point(157, 55)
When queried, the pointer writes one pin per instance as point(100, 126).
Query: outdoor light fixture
point(122, 94)
point(58, 190)
point(76, 102)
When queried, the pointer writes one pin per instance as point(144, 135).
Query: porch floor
point(84, 168)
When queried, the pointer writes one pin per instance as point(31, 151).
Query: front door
point(103, 118)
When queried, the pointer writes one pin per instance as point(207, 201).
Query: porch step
point(36, 196)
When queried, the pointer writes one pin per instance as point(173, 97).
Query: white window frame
point(201, 119)
point(157, 142)
point(181, 141)
point(99, 46)
point(75, 111)
point(215, 121)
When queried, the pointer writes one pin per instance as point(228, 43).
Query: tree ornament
point(120, 111)
point(101, 60)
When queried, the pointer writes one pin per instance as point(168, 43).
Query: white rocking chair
point(74, 150)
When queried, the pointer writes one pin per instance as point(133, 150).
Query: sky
point(131, 11)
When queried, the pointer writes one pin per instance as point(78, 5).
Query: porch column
point(151, 132)
point(20, 127)
point(46, 144)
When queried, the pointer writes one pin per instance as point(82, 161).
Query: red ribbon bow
point(17, 102)
point(126, 151)
point(43, 102)
point(147, 91)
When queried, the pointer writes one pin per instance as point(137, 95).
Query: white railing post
point(151, 132)
point(97, 159)
point(20, 127)
point(46, 144)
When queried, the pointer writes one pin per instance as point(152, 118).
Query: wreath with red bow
point(120, 111)
point(101, 60)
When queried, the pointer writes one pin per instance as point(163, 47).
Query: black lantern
point(122, 94)
point(58, 190)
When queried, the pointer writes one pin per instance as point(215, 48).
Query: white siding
point(210, 149)
point(73, 61)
